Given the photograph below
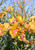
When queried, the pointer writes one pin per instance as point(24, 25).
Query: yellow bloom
point(14, 32)
point(12, 19)
point(32, 26)
point(1, 25)
point(2, 30)
point(19, 18)
point(6, 25)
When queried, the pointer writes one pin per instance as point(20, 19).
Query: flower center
point(16, 32)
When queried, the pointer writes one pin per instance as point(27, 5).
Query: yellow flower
point(12, 19)
point(6, 25)
point(2, 30)
point(14, 32)
point(1, 25)
point(32, 26)
point(19, 18)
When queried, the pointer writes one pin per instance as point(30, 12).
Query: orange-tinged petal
point(24, 0)
point(16, 23)
point(18, 2)
point(6, 25)
point(17, 10)
point(31, 42)
point(1, 15)
point(20, 5)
